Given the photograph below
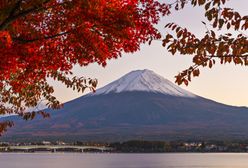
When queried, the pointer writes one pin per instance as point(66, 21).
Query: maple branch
point(217, 56)
point(17, 6)
point(53, 36)
point(12, 17)
point(185, 75)
point(226, 56)
point(209, 57)
point(6, 22)
point(43, 38)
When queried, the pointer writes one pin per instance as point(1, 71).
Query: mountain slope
point(139, 105)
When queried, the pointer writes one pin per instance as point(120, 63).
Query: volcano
point(139, 105)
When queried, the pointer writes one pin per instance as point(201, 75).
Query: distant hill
point(139, 105)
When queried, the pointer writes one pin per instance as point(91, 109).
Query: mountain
point(139, 105)
point(144, 81)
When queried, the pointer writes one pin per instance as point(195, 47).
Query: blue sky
point(223, 83)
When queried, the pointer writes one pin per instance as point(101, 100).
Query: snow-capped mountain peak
point(143, 80)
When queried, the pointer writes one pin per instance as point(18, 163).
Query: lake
point(104, 160)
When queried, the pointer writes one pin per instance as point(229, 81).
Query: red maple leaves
point(41, 39)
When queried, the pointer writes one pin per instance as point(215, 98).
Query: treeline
point(141, 146)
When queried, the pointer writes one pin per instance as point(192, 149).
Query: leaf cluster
point(45, 39)
point(227, 48)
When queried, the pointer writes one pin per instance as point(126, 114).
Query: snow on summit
point(143, 80)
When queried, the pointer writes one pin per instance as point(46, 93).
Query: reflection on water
point(78, 160)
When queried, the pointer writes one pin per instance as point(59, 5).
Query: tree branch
point(42, 38)
point(225, 56)
point(12, 12)
point(12, 18)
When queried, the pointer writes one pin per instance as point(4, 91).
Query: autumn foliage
point(226, 48)
point(42, 39)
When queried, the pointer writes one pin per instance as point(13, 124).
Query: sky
point(227, 84)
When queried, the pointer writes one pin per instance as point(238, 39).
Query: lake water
point(81, 160)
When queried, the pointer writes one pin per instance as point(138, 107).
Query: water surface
point(82, 160)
